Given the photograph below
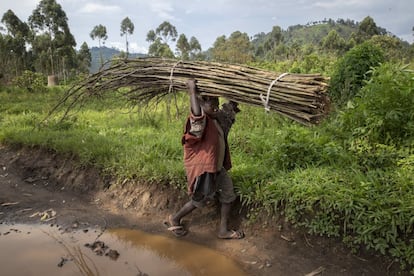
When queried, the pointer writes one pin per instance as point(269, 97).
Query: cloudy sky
point(208, 19)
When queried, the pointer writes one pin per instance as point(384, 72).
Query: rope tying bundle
point(266, 100)
point(171, 75)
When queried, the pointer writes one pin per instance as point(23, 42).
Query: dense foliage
point(383, 111)
point(352, 70)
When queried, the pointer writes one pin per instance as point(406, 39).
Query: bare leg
point(185, 210)
point(224, 213)
point(173, 222)
point(224, 232)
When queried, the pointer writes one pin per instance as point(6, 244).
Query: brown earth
point(35, 180)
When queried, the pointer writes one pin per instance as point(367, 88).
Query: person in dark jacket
point(207, 160)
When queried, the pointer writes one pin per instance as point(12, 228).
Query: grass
point(310, 175)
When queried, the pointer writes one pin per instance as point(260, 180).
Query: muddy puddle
point(51, 250)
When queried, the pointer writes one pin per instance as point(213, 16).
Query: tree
point(166, 32)
point(127, 27)
point(183, 47)
point(160, 49)
point(84, 58)
point(392, 47)
point(151, 36)
point(195, 49)
point(294, 50)
point(236, 49)
point(239, 48)
point(160, 38)
point(13, 48)
point(273, 39)
point(266, 44)
point(333, 42)
point(219, 49)
point(52, 36)
point(367, 29)
point(188, 49)
point(99, 32)
point(14, 25)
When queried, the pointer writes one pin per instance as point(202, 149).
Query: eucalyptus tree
point(84, 58)
point(99, 32)
point(13, 48)
point(239, 48)
point(159, 49)
point(367, 29)
point(188, 50)
point(167, 32)
point(267, 46)
point(219, 49)
point(333, 42)
point(183, 47)
point(236, 49)
point(127, 27)
point(14, 25)
point(3, 56)
point(195, 49)
point(51, 37)
point(160, 38)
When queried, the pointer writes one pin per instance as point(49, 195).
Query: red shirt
point(201, 153)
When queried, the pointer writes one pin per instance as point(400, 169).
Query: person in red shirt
point(207, 160)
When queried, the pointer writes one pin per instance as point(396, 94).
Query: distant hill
point(313, 33)
point(107, 54)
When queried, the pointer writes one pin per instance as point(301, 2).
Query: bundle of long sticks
point(300, 97)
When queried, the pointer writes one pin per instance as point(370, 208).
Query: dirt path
point(32, 180)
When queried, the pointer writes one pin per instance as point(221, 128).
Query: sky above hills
point(207, 20)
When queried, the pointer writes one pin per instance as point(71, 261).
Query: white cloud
point(163, 9)
point(99, 8)
point(135, 48)
point(132, 48)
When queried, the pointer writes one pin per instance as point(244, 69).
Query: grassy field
point(339, 179)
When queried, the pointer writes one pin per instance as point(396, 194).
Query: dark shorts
point(210, 185)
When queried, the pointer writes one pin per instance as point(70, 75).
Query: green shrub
point(352, 70)
point(383, 112)
point(31, 81)
point(301, 147)
point(373, 156)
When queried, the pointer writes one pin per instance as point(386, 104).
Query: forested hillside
point(107, 54)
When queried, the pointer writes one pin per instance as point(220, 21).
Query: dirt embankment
point(35, 180)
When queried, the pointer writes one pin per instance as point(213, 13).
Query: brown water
point(49, 250)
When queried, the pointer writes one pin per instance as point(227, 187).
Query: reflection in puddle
point(46, 250)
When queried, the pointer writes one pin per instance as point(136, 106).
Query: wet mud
point(48, 249)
